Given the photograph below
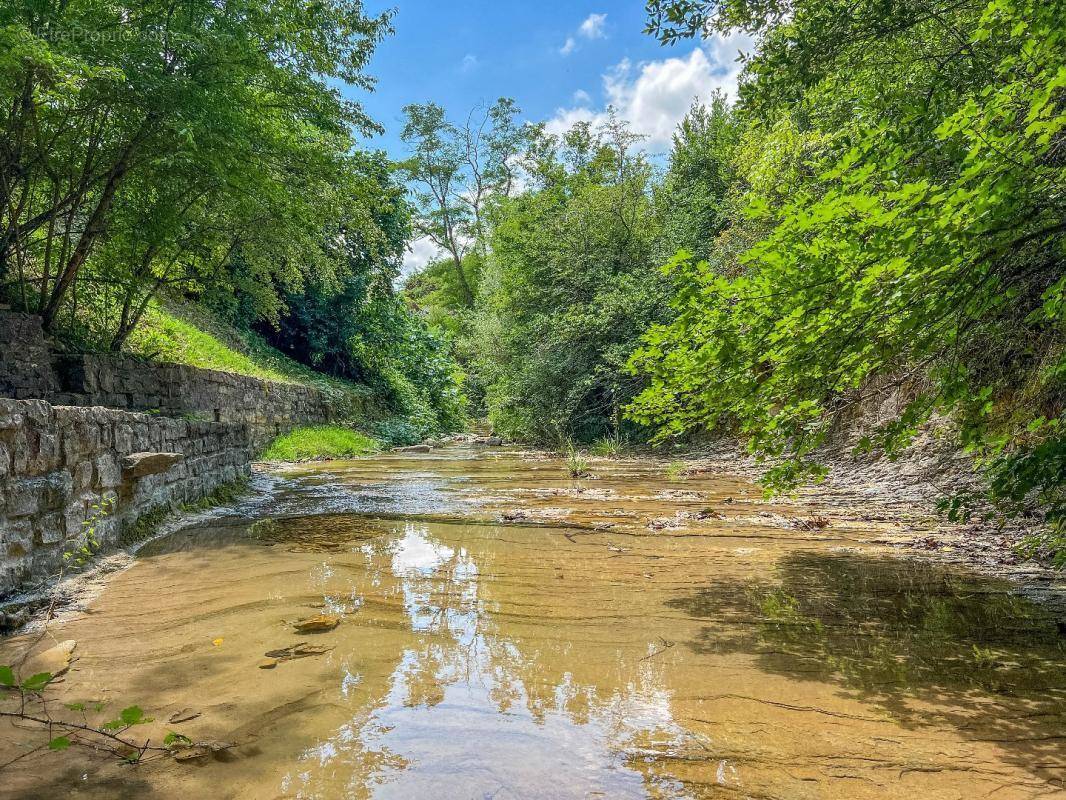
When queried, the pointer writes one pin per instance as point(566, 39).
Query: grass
point(675, 471)
point(321, 442)
point(608, 446)
point(187, 335)
point(576, 463)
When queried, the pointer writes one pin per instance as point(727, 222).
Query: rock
point(494, 441)
point(138, 465)
point(320, 623)
point(184, 715)
point(55, 660)
point(197, 750)
point(415, 448)
point(298, 650)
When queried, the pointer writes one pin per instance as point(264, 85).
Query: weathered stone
point(415, 448)
point(106, 471)
point(138, 465)
point(51, 529)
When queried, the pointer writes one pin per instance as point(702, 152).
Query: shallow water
point(509, 633)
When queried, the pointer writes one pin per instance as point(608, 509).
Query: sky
point(561, 61)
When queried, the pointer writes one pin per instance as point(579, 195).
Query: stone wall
point(70, 447)
point(30, 368)
point(57, 463)
point(267, 408)
point(26, 368)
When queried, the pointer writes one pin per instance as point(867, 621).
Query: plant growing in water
point(608, 446)
point(576, 464)
point(675, 471)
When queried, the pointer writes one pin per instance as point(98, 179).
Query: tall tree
point(456, 170)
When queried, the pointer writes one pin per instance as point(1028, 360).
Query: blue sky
point(561, 61)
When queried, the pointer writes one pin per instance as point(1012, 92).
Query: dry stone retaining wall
point(72, 420)
point(57, 463)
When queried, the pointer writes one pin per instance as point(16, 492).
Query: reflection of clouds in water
point(416, 553)
point(469, 711)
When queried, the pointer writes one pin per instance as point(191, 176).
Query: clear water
point(509, 633)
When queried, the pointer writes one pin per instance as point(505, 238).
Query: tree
point(164, 114)
point(456, 171)
point(570, 285)
point(906, 166)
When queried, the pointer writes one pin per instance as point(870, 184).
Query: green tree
point(455, 172)
point(913, 243)
point(570, 285)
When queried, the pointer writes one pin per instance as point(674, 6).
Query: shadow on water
point(928, 644)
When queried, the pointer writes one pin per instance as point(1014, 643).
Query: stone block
point(138, 465)
point(107, 473)
point(23, 498)
point(50, 529)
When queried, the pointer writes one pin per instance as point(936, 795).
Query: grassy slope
point(188, 335)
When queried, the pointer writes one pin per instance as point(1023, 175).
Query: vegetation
point(156, 155)
point(880, 215)
point(320, 442)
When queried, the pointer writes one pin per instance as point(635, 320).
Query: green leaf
point(59, 743)
point(7, 676)
point(133, 715)
point(173, 737)
point(36, 683)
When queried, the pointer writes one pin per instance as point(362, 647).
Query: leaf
point(174, 738)
point(36, 683)
point(7, 676)
point(59, 743)
point(133, 715)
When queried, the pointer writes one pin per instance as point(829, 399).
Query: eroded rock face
point(138, 465)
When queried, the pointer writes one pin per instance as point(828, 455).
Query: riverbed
point(506, 631)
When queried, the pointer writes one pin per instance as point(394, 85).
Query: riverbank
point(893, 503)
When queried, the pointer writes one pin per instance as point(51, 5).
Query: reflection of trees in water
point(891, 630)
point(490, 639)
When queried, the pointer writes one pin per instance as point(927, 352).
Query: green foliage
point(161, 148)
point(569, 288)
point(456, 172)
point(398, 431)
point(610, 446)
point(320, 442)
point(693, 198)
point(904, 206)
point(84, 552)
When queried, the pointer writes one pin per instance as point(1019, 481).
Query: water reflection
point(471, 712)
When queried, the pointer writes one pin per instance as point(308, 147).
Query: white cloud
point(594, 26)
point(654, 95)
point(419, 253)
point(469, 63)
point(581, 97)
